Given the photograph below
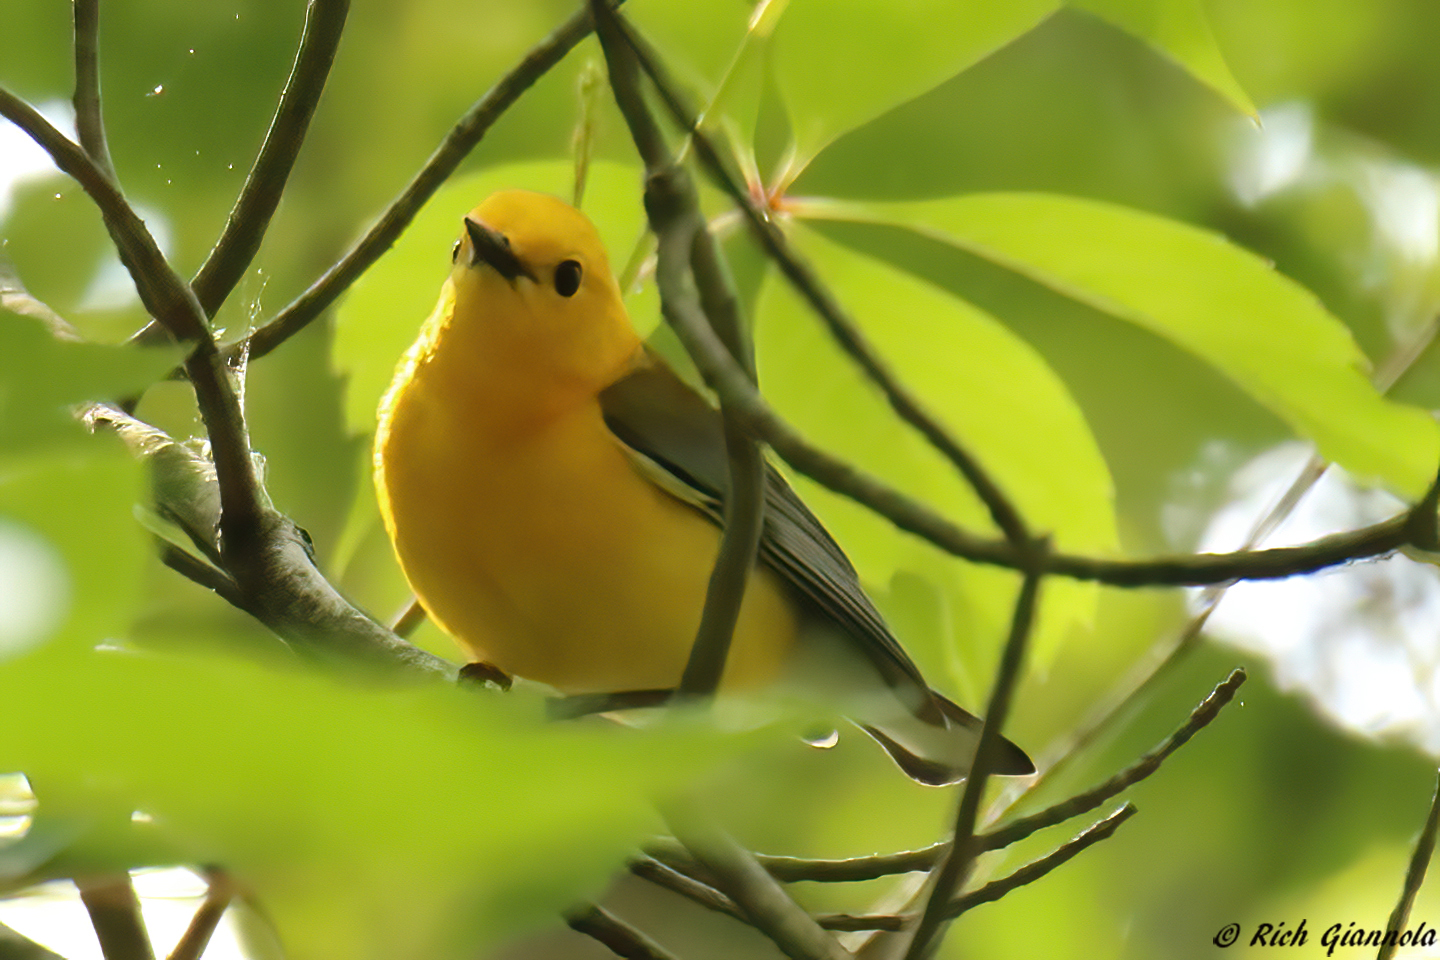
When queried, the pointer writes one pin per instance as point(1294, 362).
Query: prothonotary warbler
point(553, 491)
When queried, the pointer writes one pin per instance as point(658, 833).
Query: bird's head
point(529, 271)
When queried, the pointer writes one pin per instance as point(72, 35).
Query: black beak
point(491, 246)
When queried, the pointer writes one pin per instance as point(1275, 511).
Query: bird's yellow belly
point(552, 558)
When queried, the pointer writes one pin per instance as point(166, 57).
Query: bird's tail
point(937, 749)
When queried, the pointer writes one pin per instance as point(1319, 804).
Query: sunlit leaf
point(1180, 29)
point(836, 63)
point(990, 388)
point(1206, 295)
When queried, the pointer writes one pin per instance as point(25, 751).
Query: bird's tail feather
point(937, 754)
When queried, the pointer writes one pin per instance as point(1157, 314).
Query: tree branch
point(285, 591)
point(663, 875)
point(14, 945)
point(995, 889)
point(1036, 869)
point(462, 138)
point(685, 246)
point(1200, 718)
point(765, 903)
point(115, 913)
point(250, 217)
point(89, 122)
point(852, 869)
point(1414, 876)
point(192, 943)
point(618, 936)
point(955, 865)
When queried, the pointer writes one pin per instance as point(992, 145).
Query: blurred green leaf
point(1180, 29)
point(1220, 302)
point(371, 823)
point(989, 387)
point(835, 64)
point(71, 552)
point(42, 378)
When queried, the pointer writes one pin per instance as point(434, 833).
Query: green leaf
point(835, 64)
point(366, 822)
point(996, 395)
point(1225, 305)
point(42, 378)
point(1180, 29)
point(71, 552)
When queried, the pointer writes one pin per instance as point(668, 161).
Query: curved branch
point(618, 937)
point(1414, 874)
point(1036, 869)
point(246, 226)
point(89, 122)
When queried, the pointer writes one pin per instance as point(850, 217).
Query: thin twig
point(672, 879)
point(954, 868)
point(766, 904)
point(845, 331)
point(996, 888)
point(250, 217)
point(193, 568)
point(458, 143)
point(192, 943)
point(1414, 876)
point(115, 913)
point(1036, 869)
point(791, 869)
point(89, 119)
point(1200, 718)
point(615, 934)
point(663, 875)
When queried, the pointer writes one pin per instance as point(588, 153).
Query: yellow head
point(534, 293)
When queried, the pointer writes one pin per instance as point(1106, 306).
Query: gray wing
point(657, 415)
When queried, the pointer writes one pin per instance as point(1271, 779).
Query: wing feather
point(678, 440)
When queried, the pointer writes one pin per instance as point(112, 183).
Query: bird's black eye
point(567, 278)
point(455, 252)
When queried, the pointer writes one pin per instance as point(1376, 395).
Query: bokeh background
point(1300, 802)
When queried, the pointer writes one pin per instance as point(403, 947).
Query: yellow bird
point(553, 492)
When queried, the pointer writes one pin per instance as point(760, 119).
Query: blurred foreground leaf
point(367, 822)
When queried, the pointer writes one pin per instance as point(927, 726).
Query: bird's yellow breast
point(535, 543)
